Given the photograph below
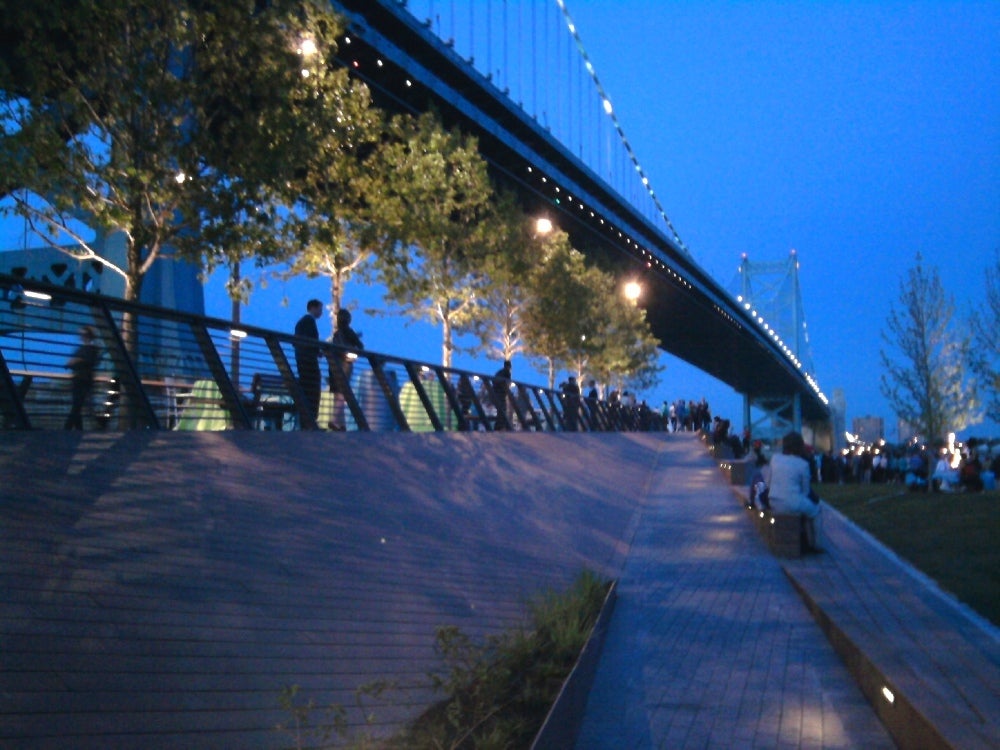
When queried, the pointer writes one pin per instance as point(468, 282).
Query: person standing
point(307, 363)
point(592, 398)
point(571, 403)
point(345, 336)
point(501, 391)
point(82, 365)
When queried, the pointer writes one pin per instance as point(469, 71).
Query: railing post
point(541, 407)
point(230, 395)
point(11, 406)
point(414, 372)
point(390, 396)
point(134, 397)
point(343, 385)
point(453, 401)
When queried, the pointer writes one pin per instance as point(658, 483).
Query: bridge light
point(607, 106)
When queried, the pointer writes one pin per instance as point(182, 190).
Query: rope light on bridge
point(609, 110)
point(545, 71)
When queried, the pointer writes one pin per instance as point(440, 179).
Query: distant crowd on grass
point(972, 466)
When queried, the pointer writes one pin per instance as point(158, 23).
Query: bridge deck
point(160, 589)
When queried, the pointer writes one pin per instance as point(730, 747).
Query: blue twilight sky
point(857, 133)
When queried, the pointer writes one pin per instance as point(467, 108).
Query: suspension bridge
point(517, 75)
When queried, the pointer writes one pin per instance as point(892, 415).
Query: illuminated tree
point(332, 222)
point(925, 383)
point(559, 315)
point(625, 351)
point(434, 215)
point(509, 269)
point(179, 124)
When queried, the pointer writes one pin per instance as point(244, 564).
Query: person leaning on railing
point(344, 335)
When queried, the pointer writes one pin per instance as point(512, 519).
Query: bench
point(929, 667)
point(271, 403)
point(782, 532)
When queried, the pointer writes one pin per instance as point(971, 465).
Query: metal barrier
point(163, 369)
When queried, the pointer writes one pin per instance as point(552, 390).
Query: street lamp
point(543, 225)
point(633, 290)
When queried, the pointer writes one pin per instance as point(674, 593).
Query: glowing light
point(236, 333)
point(543, 225)
point(887, 694)
point(307, 48)
point(607, 106)
point(37, 295)
point(633, 290)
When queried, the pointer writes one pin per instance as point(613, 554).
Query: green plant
point(333, 730)
point(497, 693)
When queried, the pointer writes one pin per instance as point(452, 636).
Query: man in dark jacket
point(307, 363)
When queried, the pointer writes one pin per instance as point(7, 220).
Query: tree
point(144, 117)
point(433, 214)
point(984, 353)
point(575, 319)
point(332, 222)
point(558, 316)
point(626, 352)
point(925, 383)
point(509, 269)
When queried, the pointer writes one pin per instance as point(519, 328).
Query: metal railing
point(163, 369)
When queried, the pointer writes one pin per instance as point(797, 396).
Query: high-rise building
point(868, 429)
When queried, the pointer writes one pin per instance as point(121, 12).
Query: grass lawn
point(952, 538)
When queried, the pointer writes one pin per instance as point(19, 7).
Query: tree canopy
point(434, 215)
point(145, 117)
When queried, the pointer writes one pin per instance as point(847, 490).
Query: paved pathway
point(709, 645)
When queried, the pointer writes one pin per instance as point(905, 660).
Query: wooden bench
point(929, 667)
point(271, 403)
point(781, 531)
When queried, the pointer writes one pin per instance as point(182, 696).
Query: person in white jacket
point(789, 476)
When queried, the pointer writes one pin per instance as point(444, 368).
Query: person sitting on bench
point(789, 477)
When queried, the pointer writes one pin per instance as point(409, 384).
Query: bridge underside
point(409, 69)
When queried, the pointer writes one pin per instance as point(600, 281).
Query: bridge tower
point(770, 290)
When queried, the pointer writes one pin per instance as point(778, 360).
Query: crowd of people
point(970, 467)
point(687, 416)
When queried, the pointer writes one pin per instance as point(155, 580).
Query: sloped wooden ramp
point(159, 590)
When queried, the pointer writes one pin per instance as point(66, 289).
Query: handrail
point(186, 371)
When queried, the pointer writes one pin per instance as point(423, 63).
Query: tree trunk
point(446, 344)
point(336, 296)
